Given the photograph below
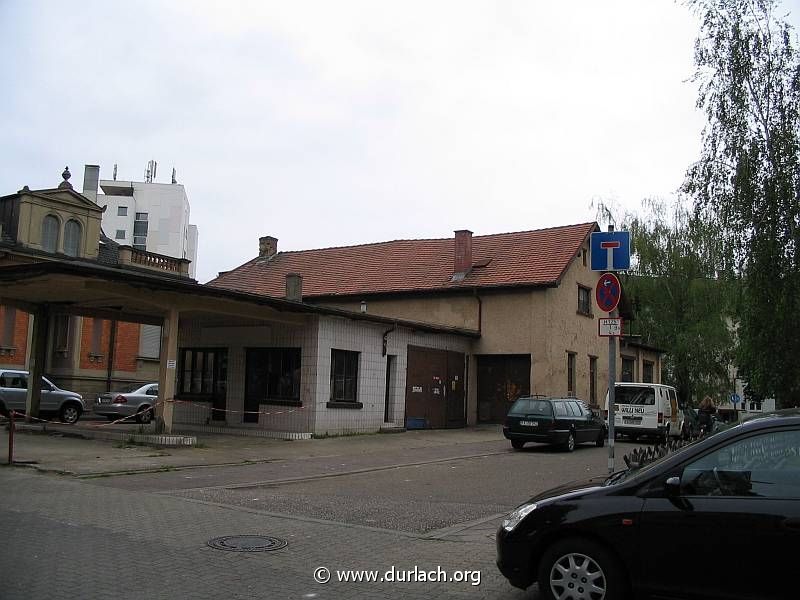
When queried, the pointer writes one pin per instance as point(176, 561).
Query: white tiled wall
point(316, 339)
point(237, 339)
point(367, 339)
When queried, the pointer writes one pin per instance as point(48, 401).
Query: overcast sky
point(335, 123)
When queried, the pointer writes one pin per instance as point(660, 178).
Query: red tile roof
point(525, 258)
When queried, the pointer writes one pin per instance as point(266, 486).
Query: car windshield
point(634, 395)
point(625, 474)
point(531, 406)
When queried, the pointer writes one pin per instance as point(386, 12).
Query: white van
point(645, 409)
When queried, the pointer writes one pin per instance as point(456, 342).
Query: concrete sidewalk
point(55, 452)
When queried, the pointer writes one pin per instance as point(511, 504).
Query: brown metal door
point(435, 387)
point(502, 378)
point(455, 390)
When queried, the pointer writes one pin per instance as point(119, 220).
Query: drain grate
point(248, 543)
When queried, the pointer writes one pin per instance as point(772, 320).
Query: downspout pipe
point(385, 335)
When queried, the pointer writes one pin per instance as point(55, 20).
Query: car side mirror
point(672, 485)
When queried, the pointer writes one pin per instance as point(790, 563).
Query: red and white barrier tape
point(204, 406)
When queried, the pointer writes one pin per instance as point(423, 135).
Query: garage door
point(502, 378)
point(434, 388)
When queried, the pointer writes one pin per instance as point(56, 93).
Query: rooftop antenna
point(173, 176)
point(150, 171)
point(115, 171)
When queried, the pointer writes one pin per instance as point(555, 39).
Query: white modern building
point(147, 215)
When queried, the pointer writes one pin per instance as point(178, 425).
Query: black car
point(562, 421)
point(718, 518)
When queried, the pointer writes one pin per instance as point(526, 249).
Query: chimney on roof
point(267, 246)
point(294, 287)
point(462, 262)
point(91, 177)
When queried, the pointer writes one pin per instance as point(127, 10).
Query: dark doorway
point(272, 375)
point(388, 409)
point(502, 378)
point(434, 388)
point(204, 377)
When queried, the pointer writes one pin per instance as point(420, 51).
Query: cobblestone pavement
point(68, 539)
point(145, 536)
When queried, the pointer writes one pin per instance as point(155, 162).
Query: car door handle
point(791, 523)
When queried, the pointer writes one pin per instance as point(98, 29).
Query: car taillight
point(122, 400)
point(605, 415)
point(660, 418)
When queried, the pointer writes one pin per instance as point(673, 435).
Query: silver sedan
point(137, 401)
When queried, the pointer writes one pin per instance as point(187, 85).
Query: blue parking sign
point(611, 250)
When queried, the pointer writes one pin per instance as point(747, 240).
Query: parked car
point(645, 410)
point(137, 401)
point(562, 421)
point(67, 406)
point(651, 530)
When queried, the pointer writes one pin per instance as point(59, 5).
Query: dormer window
point(50, 226)
point(72, 238)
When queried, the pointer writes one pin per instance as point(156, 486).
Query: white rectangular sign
point(609, 327)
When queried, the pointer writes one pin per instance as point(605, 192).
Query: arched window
point(72, 238)
point(50, 227)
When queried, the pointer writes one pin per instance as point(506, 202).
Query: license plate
point(631, 420)
point(529, 423)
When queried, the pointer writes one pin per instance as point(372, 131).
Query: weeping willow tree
point(746, 185)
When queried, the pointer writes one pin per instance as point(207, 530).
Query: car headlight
point(515, 517)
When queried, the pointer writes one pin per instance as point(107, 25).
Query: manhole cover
point(248, 543)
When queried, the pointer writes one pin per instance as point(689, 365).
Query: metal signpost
point(610, 251)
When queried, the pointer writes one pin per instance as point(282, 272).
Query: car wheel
point(601, 440)
point(144, 415)
point(69, 413)
point(582, 570)
point(517, 444)
point(569, 446)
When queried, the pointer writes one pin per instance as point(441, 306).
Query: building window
point(97, 336)
point(570, 374)
point(122, 211)
point(273, 373)
point(120, 234)
point(584, 300)
point(628, 365)
point(647, 372)
point(203, 372)
point(50, 226)
point(593, 380)
point(140, 231)
point(344, 376)
point(72, 238)
point(584, 254)
point(149, 341)
point(61, 333)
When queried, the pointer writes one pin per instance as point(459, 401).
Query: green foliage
point(679, 302)
point(746, 185)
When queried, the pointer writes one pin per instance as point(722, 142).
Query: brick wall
point(126, 347)
point(13, 355)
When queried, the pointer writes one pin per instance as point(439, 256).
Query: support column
point(167, 375)
point(36, 360)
